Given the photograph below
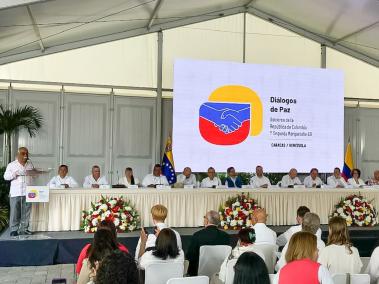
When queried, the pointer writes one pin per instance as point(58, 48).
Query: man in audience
point(263, 233)
point(156, 178)
point(285, 237)
point(187, 177)
point(259, 180)
point(375, 179)
point(208, 236)
point(159, 215)
point(62, 179)
point(232, 179)
point(336, 180)
point(94, 180)
point(313, 180)
point(291, 179)
point(212, 181)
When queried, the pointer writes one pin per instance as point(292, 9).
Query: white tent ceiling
point(33, 28)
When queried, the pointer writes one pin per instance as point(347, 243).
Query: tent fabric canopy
point(36, 28)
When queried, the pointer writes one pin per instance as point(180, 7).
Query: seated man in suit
point(232, 179)
point(209, 236)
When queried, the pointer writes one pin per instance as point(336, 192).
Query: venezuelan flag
point(168, 168)
point(348, 164)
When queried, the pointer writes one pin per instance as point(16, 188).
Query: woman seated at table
point(356, 180)
point(129, 178)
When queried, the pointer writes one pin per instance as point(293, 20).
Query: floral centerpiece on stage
point(357, 211)
point(112, 209)
point(235, 212)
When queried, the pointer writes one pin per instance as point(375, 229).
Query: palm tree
point(12, 121)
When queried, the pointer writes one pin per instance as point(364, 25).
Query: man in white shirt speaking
point(313, 180)
point(291, 179)
point(62, 179)
point(94, 180)
point(336, 180)
point(187, 177)
point(212, 181)
point(156, 178)
point(259, 180)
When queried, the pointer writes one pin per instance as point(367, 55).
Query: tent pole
point(159, 99)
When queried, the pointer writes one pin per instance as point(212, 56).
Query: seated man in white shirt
point(291, 179)
point(156, 178)
point(284, 238)
point(336, 180)
point(212, 181)
point(62, 179)
point(187, 177)
point(264, 235)
point(259, 180)
point(313, 180)
point(159, 214)
point(94, 180)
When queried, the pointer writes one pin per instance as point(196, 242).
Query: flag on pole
point(348, 163)
point(168, 168)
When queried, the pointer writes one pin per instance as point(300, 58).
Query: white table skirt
point(186, 207)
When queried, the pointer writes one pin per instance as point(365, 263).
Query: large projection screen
point(242, 115)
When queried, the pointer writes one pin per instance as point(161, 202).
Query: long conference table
point(186, 207)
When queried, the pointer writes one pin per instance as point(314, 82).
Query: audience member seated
point(208, 236)
point(117, 268)
point(336, 180)
point(259, 180)
point(313, 180)
point(250, 269)
point(129, 178)
point(375, 179)
point(104, 225)
point(286, 236)
point(103, 244)
point(232, 179)
point(373, 266)
point(187, 177)
point(301, 259)
point(263, 233)
point(62, 179)
point(246, 240)
point(159, 215)
point(165, 250)
point(339, 256)
point(212, 181)
point(94, 180)
point(156, 178)
point(291, 179)
point(311, 224)
point(356, 180)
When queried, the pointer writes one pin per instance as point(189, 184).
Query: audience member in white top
point(291, 179)
point(212, 181)
point(373, 266)
point(187, 177)
point(94, 180)
point(166, 249)
point(356, 181)
point(311, 224)
point(128, 178)
point(286, 236)
point(336, 180)
point(62, 179)
point(339, 256)
point(156, 178)
point(375, 179)
point(259, 180)
point(313, 180)
point(159, 215)
point(263, 233)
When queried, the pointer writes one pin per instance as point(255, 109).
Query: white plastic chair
point(340, 278)
point(269, 252)
point(272, 278)
point(365, 261)
point(160, 273)
point(189, 280)
point(230, 271)
point(211, 258)
point(359, 279)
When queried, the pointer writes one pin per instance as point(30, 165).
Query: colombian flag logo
point(231, 114)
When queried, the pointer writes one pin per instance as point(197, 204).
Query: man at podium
point(17, 173)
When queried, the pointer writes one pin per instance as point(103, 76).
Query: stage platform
point(47, 248)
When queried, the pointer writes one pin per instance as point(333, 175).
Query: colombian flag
point(168, 168)
point(348, 164)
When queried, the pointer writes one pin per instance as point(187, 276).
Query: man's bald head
point(260, 215)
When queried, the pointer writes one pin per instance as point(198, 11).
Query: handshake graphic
point(227, 117)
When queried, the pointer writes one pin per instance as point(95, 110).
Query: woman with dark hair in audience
point(165, 250)
point(356, 180)
point(129, 178)
point(250, 269)
point(103, 244)
point(117, 268)
point(84, 253)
